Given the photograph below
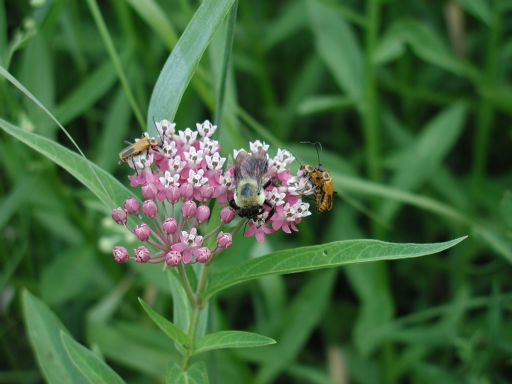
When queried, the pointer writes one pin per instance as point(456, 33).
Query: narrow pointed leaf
point(328, 255)
point(195, 374)
point(102, 184)
point(231, 339)
point(183, 60)
point(44, 329)
point(165, 325)
point(94, 369)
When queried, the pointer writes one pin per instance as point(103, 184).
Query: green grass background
point(411, 101)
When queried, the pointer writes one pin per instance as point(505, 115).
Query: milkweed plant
point(183, 210)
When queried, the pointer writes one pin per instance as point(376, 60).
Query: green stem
point(228, 46)
point(186, 285)
point(105, 35)
point(197, 306)
point(485, 115)
point(370, 113)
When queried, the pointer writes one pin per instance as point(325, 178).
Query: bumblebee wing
point(256, 166)
point(241, 159)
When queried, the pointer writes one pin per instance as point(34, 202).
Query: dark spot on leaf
point(324, 252)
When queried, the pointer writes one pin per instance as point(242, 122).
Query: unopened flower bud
point(170, 225)
point(202, 213)
point(173, 194)
point(119, 215)
point(120, 254)
point(203, 254)
point(149, 191)
point(173, 258)
point(149, 208)
point(142, 231)
point(186, 191)
point(142, 254)
point(227, 214)
point(188, 209)
point(224, 240)
point(207, 192)
point(131, 205)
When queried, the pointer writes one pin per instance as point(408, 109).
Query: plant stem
point(186, 285)
point(197, 306)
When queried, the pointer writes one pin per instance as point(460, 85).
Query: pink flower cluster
point(178, 179)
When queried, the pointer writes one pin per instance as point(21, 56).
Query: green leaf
point(328, 255)
point(183, 60)
point(195, 374)
point(338, 47)
point(152, 13)
point(94, 369)
point(165, 325)
point(231, 339)
point(426, 153)
point(182, 312)
point(103, 185)
point(478, 8)
point(44, 329)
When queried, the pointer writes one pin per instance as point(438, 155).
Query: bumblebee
point(249, 198)
point(133, 149)
point(322, 181)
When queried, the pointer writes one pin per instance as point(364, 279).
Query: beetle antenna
point(161, 137)
point(317, 145)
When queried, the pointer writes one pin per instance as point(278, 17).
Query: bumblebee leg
point(233, 205)
point(269, 182)
point(271, 212)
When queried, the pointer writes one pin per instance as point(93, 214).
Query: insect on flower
point(322, 180)
point(139, 146)
point(249, 197)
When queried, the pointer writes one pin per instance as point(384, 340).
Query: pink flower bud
point(207, 192)
point(202, 213)
point(224, 240)
point(203, 254)
point(119, 215)
point(149, 208)
point(149, 191)
point(188, 209)
point(142, 254)
point(173, 258)
point(120, 254)
point(227, 214)
point(186, 191)
point(173, 194)
point(142, 231)
point(170, 225)
point(131, 205)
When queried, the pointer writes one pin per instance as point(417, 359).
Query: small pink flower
point(189, 243)
point(186, 191)
point(204, 193)
point(227, 214)
point(131, 205)
point(224, 240)
point(170, 225)
point(119, 215)
point(149, 191)
point(206, 129)
point(142, 254)
point(142, 231)
point(173, 194)
point(258, 231)
point(173, 258)
point(202, 213)
point(149, 208)
point(203, 254)
point(120, 254)
point(188, 209)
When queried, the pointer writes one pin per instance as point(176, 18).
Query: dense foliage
point(411, 102)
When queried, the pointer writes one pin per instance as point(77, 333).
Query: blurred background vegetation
point(411, 101)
